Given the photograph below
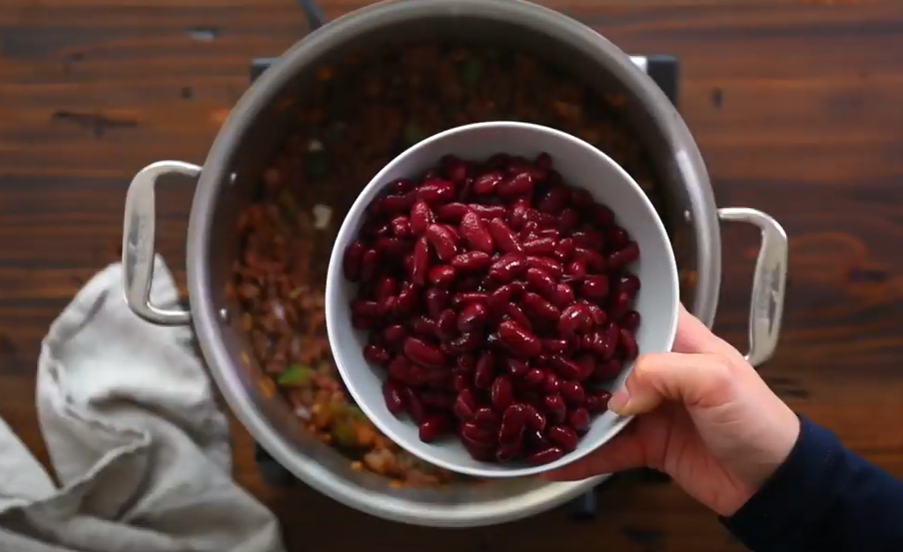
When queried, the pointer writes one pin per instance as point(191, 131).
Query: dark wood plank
point(795, 106)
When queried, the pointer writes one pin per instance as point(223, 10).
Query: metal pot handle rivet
point(138, 242)
point(770, 276)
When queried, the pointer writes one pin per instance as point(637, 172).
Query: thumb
point(702, 380)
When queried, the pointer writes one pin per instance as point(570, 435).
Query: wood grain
point(794, 104)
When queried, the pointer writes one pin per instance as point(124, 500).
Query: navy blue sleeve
point(824, 498)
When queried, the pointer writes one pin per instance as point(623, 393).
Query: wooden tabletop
point(796, 106)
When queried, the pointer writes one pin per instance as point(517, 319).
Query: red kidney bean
point(542, 360)
point(392, 396)
point(563, 436)
point(400, 186)
point(630, 321)
point(518, 215)
point(567, 368)
point(535, 440)
point(534, 377)
point(602, 216)
point(579, 419)
point(432, 427)
point(573, 319)
point(519, 288)
point(401, 227)
point(540, 310)
point(555, 407)
point(508, 267)
point(543, 220)
point(451, 213)
point(540, 246)
point(472, 317)
point(421, 217)
point(545, 456)
point(352, 262)
point(587, 364)
point(421, 262)
point(594, 287)
point(515, 313)
point(447, 324)
point(627, 344)
point(606, 343)
point(575, 271)
point(589, 239)
point(368, 265)
point(516, 367)
point(412, 404)
point(487, 419)
point(513, 421)
point(436, 301)
point(488, 212)
point(463, 298)
point(443, 241)
point(555, 346)
point(478, 451)
point(519, 340)
point(486, 183)
point(465, 405)
point(573, 393)
point(471, 261)
point(454, 168)
point(565, 250)
point(400, 369)
point(617, 237)
point(545, 264)
point(435, 192)
point(550, 383)
point(423, 354)
point(619, 305)
point(543, 161)
point(438, 400)
point(397, 204)
point(629, 284)
point(424, 327)
point(366, 309)
point(477, 434)
point(503, 236)
point(568, 219)
point(623, 257)
point(484, 374)
point(597, 401)
point(595, 262)
point(442, 276)
point(607, 371)
point(499, 300)
point(564, 296)
point(395, 334)
point(515, 186)
point(407, 300)
point(466, 362)
point(376, 355)
point(542, 283)
point(476, 234)
point(535, 420)
point(509, 451)
point(554, 201)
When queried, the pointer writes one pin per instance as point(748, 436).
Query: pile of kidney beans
point(495, 296)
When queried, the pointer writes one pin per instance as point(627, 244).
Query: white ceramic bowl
point(581, 165)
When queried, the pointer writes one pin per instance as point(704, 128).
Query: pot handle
point(767, 304)
point(138, 242)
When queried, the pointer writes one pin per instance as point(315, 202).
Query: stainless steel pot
point(253, 131)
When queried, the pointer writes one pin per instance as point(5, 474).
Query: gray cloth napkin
point(140, 450)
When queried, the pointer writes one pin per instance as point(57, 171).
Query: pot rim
point(687, 159)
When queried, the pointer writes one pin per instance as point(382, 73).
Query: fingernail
point(618, 401)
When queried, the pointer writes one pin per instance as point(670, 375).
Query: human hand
point(705, 418)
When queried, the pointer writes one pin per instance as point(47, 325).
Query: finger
point(692, 379)
point(623, 452)
point(695, 337)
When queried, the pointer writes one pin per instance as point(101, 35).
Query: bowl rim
point(335, 277)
